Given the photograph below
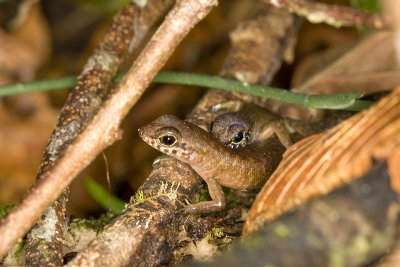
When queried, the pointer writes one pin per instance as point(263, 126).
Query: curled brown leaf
point(321, 163)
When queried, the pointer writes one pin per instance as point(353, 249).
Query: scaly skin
point(244, 169)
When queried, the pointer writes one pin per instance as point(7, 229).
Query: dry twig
point(333, 15)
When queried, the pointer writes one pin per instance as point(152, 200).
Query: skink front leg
point(216, 204)
point(278, 128)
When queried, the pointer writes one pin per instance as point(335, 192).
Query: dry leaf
point(321, 163)
point(368, 67)
point(28, 45)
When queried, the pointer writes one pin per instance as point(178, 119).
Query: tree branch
point(103, 130)
point(333, 15)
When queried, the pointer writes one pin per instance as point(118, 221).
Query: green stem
point(230, 85)
point(104, 198)
point(37, 86)
point(347, 101)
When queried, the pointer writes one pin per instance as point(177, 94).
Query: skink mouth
point(141, 132)
point(145, 137)
point(146, 133)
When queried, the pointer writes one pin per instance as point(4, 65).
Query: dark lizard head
point(176, 138)
point(232, 129)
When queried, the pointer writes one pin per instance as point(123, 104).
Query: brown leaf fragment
point(392, 11)
point(373, 59)
point(321, 163)
point(394, 169)
point(369, 66)
point(28, 45)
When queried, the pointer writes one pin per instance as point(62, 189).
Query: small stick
point(331, 14)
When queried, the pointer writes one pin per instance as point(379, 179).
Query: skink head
point(175, 137)
point(232, 129)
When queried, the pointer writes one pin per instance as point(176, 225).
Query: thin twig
point(331, 14)
point(103, 130)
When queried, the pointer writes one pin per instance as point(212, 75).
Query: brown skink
point(213, 156)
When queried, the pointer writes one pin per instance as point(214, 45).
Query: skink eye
point(167, 140)
point(238, 138)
